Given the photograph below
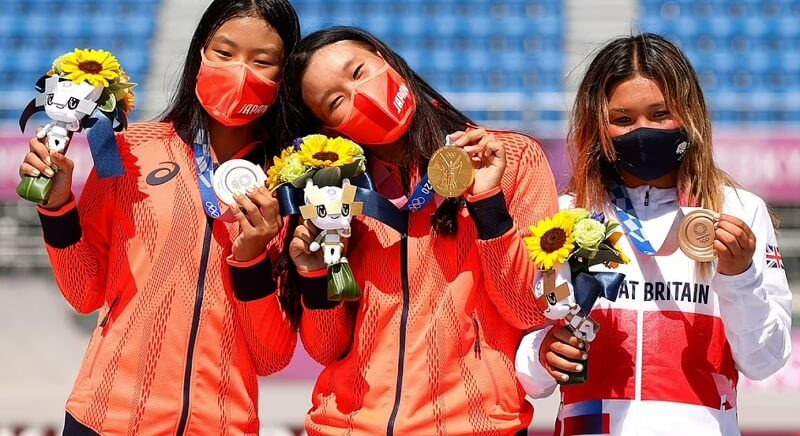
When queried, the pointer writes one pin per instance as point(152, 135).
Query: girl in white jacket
point(670, 348)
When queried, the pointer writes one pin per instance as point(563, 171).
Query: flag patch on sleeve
point(774, 259)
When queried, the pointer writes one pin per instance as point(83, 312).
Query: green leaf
point(354, 169)
point(331, 176)
point(585, 253)
point(121, 86)
point(342, 285)
point(605, 256)
point(107, 102)
point(300, 182)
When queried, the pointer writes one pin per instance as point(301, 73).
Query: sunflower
point(274, 171)
point(97, 67)
point(320, 152)
point(552, 241)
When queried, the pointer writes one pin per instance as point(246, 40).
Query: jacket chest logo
point(165, 172)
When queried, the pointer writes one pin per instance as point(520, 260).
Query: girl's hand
point(559, 345)
point(304, 259)
point(735, 245)
point(41, 162)
point(259, 220)
point(488, 155)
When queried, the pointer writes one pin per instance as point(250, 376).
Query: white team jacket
point(668, 352)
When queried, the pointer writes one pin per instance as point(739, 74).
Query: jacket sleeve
point(270, 337)
point(503, 219)
point(531, 374)
point(77, 239)
point(327, 327)
point(756, 305)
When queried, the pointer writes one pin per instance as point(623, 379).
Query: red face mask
point(381, 109)
point(232, 93)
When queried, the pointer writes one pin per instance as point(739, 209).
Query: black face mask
point(649, 153)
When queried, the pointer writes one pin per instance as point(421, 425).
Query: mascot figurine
point(331, 209)
point(86, 89)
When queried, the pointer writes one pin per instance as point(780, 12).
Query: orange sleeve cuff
point(63, 210)
point(472, 198)
point(246, 264)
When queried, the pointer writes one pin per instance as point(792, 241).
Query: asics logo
point(163, 174)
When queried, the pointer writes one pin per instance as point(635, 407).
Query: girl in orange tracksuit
point(174, 352)
point(429, 349)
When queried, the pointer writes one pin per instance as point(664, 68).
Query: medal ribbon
point(421, 197)
point(205, 174)
point(629, 220)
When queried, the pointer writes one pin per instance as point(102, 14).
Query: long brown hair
point(700, 181)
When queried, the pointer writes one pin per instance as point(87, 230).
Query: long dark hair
point(435, 117)
point(185, 111)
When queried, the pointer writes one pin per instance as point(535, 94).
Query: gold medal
point(450, 171)
point(696, 235)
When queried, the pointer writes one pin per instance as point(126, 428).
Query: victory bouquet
point(565, 247)
point(84, 89)
point(322, 168)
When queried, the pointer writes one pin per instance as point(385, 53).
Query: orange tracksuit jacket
point(174, 352)
point(429, 349)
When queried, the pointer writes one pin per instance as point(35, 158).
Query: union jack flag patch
point(774, 259)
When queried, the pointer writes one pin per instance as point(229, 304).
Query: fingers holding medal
point(705, 235)
point(470, 161)
point(241, 186)
point(735, 245)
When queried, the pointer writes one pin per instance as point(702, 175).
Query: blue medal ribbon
point(205, 174)
point(103, 145)
point(421, 197)
point(629, 220)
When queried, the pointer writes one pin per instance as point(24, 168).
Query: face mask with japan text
point(233, 93)
point(381, 109)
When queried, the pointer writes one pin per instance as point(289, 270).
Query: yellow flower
point(552, 241)
point(320, 152)
point(274, 171)
point(293, 168)
point(129, 101)
point(58, 65)
point(577, 213)
point(624, 258)
point(97, 67)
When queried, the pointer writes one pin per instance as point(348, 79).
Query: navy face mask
point(649, 153)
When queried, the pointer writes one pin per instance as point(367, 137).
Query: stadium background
point(507, 63)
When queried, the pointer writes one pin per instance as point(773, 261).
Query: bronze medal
point(450, 171)
point(696, 235)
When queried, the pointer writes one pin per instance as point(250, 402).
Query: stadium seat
point(740, 47)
